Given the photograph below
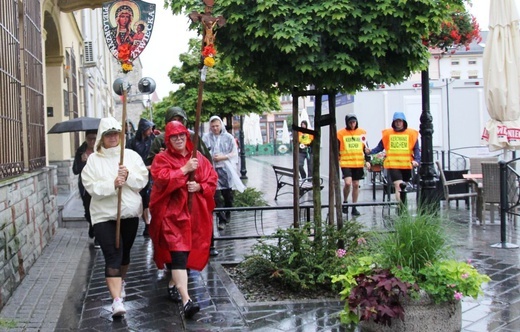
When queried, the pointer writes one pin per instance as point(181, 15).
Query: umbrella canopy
point(78, 124)
point(304, 116)
point(286, 138)
point(502, 77)
point(252, 130)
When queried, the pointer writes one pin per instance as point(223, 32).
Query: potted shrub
point(406, 279)
point(377, 161)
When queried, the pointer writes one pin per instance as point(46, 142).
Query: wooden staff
point(121, 160)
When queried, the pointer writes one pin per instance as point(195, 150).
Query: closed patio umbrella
point(502, 77)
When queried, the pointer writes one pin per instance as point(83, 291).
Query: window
point(473, 74)
point(472, 62)
point(455, 74)
point(454, 62)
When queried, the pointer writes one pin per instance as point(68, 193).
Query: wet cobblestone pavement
point(79, 298)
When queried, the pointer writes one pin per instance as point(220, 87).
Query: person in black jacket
point(141, 143)
point(80, 160)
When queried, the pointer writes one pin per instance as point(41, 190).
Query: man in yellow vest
point(402, 151)
point(352, 158)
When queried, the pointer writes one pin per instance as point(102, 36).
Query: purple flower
point(340, 252)
point(361, 241)
point(458, 296)
point(464, 276)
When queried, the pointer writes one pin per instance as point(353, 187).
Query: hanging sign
point(127, 27)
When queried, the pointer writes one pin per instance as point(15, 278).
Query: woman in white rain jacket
point(103, 177)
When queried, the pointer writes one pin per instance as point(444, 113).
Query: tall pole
point(121, 160)
point(243, 170)
point(428, 199)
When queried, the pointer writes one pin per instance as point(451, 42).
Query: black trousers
point(224, 198)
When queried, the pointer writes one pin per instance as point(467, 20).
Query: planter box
point(422, 315)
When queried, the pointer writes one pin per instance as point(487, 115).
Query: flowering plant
point(460, 30)
point(400, 265)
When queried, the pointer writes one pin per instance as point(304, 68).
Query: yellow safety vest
point(399, 148)
point(351, 148)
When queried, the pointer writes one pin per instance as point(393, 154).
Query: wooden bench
point(285, 176)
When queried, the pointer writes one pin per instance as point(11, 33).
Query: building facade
point(54, 67)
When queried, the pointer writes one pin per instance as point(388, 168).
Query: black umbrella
point(78, 124)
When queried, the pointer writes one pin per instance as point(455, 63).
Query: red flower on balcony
point(457, 32)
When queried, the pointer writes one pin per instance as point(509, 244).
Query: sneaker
point(173, 293)
point(96, 244)
point(190, 309)
point(355, 212)
point(221, 226)
point(344, 209)
point(118, 308)
point(123, 291)
point(213, 252)
point(145, 232)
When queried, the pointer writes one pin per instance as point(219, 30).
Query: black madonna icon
point(127, 27)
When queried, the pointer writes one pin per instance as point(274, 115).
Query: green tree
point(338, 45)
point(225, 93)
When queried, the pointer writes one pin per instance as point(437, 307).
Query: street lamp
point(429, 198)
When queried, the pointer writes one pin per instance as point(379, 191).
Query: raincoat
point(98, 178)
point(224, 143)
point(175, 227)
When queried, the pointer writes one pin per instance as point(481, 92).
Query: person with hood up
point(103, 177)
point(304, 151)
point(402, 151)
point(174, 113)
point(352, 158)
point(224, 154)
point(181, 234)
point(141, 143)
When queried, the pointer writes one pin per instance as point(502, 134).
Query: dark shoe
point(228, 216)
point(355, 212)
point(190, 309)
point(145, 232)
point(173, 294)
point(221, 226)
point(344, 209)
point(213, 252)
point(96, 244)
point(222, 217)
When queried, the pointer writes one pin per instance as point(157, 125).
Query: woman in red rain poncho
point(181, 236)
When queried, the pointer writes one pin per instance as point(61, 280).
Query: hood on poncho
point(399, 116)
point(222, 126)
point(175, 111)
point(142, 127)
point(106, 126)
point(350, 117)
point(176, 128)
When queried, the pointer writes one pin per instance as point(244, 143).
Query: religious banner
point(127, 26)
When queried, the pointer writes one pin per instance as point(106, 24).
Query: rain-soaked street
point(65, 290)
